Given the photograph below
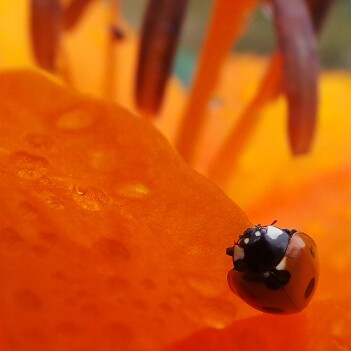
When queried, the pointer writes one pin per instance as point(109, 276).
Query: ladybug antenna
point(274, 222)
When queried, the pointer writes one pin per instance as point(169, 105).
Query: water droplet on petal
point(10, 239)
point(27, 211)
point(166, 307)
point(218, 313)
point(90, 310)
point(28, 300)
point(67, 328)
point(33, 336)
point(80, 190)
point(117, 335)
point(3, 151)
point(148, 284)
point(108, 255)
point(40, 142)
point(90, 199)
point(75, 119)
point(60, 276)
point(48, 237)
point(28, 166)
point(214, 322)
point(111, 249)
point(97, 159)
point(53, 202)
point(117, 284)
point(132, 190)
point(88, 204)
point(39, 250)
point(204, 287)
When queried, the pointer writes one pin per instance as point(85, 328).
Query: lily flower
point(110, 239)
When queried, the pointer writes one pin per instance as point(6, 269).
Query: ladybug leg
point(276, 279)
point(230, 251)
point(290, 231)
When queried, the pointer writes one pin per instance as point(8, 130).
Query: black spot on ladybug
point(313, 251)
point(310, 288)
point(272, 309)
point(277, 279)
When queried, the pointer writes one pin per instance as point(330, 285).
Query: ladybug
point(275, 270)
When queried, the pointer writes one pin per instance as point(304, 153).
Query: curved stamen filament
point(297, 42)
point(319, 10)
point(73, 12)
point(226, 160)
point(111, 58)
point(45, 23)
point(228, 20)
point(160, 34)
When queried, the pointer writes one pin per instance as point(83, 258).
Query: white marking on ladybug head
point(238, 253)
point(246, 240)
point(274, 232)
point(281, 265)
point(257, 233)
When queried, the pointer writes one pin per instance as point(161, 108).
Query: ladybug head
point(260, 249)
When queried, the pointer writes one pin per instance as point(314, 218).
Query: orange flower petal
point(108, 240)
point(324, 326)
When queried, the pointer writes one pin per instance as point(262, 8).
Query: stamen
point(73, 12)
point(227, 22)
point(113, 9)
point(160, 34)
point(45, 25)
point(226, 160)
point(220, 168)
point(297, 43)
point(319, 9)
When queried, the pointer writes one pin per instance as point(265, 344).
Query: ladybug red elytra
point(275, 270)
